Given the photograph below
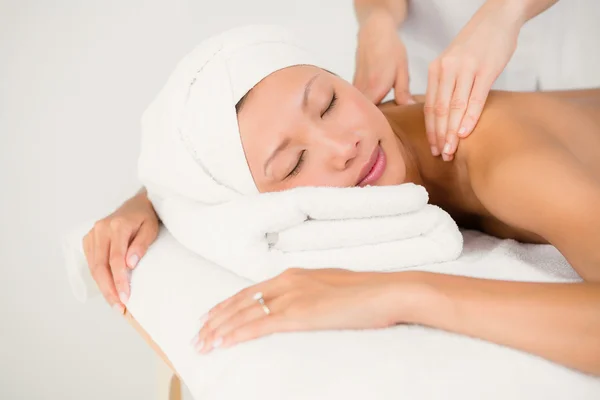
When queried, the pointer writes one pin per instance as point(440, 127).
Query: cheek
point(356, 115)
point(360, 114)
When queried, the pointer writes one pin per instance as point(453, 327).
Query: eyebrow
point(307, 89)
point(286, 142)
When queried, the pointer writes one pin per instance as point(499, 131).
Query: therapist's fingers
point(446, 86)
point(401, 85)
point(121, 233)
point(481, 88)
point(98, 243)
point(373, 86)
point(458, 108)
point(429, 107)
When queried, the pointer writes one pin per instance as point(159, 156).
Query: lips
point(373, 169)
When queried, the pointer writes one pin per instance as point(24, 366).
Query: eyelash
point(298, 165)
point(331, 104)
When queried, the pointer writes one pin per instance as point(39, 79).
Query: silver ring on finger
point(261, 301)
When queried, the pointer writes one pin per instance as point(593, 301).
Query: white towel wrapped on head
point(191, 145)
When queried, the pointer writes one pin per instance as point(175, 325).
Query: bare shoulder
point(511, 141)
point(515, 124)
point(503, 131)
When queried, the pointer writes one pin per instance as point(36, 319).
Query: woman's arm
point(557, 321)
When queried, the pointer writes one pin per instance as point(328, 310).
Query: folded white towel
point(362, 229)
point(365, 229)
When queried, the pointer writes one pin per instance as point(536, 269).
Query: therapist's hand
point(381, 62)
point(462, 76)
point(115, 245)
point(302, 300)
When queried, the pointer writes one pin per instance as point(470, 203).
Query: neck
point(440, 178)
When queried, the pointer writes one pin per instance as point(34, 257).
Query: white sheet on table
point(172, 287)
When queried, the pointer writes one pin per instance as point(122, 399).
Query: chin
point(395, 171)
point(390, 181)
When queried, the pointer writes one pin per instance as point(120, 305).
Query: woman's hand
point(381, 61)
point(117, 243)
point(462, 76)
point(301, 300)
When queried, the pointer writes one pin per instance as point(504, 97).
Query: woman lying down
point(530, 171)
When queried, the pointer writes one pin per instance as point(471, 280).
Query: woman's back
point(554, 128)
point(570, 119)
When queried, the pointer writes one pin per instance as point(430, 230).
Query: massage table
point(172, 288)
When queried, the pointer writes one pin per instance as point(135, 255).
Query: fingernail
point(447, 148)
point(218, 341)
point(118, 308)
point(411, 101)
point(199, 345)
point(435, 151)
point(462, 131)
point(133, 260)
point(445, 157)
point(195, 340)
point(123, 297)
point(202, 320)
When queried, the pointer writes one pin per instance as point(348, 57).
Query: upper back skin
point(514, 124)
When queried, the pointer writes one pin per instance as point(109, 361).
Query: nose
point(341, 149)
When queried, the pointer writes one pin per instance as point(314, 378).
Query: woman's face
point(303, 126)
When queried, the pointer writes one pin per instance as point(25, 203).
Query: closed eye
point(298, 165)
point(332, 104)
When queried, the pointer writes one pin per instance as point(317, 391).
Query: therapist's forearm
point(522, 10)
point(395, 8)
point(556, 321)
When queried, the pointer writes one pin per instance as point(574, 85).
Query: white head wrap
point(191, 143)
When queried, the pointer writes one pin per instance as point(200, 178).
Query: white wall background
point(75, 77)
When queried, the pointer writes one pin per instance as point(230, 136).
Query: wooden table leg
point(168, 384)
